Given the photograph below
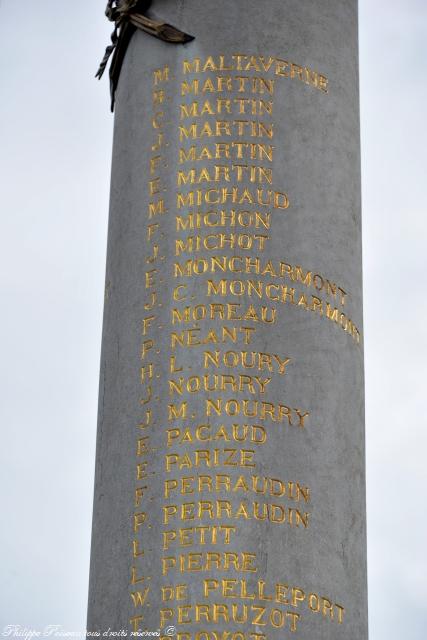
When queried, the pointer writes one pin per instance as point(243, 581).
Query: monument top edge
point(123, 6)
point(128, 16)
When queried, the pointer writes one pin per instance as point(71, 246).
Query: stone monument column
point(230, 484)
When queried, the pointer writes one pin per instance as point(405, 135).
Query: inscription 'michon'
point(232, 218)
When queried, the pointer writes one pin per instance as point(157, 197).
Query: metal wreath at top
point(128, 15)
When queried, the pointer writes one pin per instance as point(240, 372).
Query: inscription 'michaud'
point(232, 370)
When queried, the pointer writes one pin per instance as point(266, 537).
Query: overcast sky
point(55, 161)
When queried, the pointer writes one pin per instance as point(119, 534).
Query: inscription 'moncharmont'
point(248, 64)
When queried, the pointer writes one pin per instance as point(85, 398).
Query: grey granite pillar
point(230, 487)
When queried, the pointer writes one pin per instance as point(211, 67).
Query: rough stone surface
point(316, 163)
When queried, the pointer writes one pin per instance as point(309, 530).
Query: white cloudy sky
point(55, 161)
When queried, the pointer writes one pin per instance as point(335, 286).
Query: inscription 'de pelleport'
point(222, 274)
